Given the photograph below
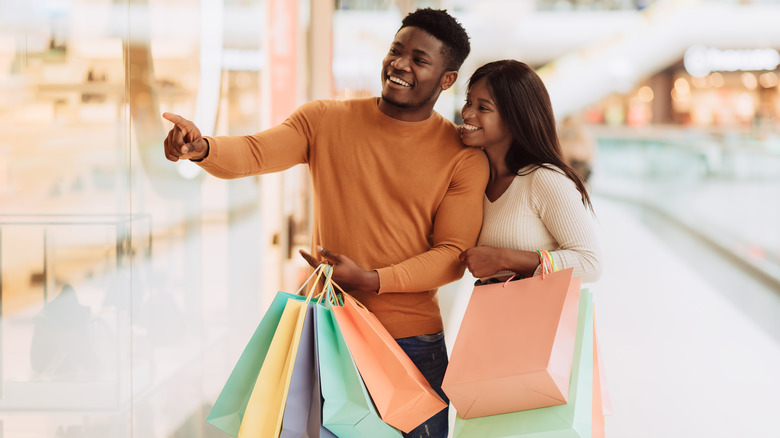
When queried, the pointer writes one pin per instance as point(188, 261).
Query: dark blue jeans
point(429, 354)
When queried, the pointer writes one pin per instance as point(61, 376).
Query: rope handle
point(312, 284)
point(331, 296)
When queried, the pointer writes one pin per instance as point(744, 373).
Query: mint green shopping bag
point(347, 409)
point(570, 420)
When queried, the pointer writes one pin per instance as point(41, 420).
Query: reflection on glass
point(105, 329)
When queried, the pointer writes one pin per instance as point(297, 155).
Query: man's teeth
point(399, 81)
point(469, 127)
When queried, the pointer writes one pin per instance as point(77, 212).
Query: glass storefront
point(128, 282)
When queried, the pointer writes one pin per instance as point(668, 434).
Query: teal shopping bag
point(228, 410)
point(347, 409)
point(570, 420)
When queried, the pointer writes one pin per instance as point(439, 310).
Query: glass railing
point(722, 187)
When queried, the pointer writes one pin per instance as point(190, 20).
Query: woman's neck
point(498, 167)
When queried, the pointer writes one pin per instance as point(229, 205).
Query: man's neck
point(405, 114)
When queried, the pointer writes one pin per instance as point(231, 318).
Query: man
point(397, 197)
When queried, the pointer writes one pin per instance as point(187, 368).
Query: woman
point(535, 204)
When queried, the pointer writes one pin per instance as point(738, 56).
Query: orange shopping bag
point(601, 402)
point(402, 396)
point(515, 346)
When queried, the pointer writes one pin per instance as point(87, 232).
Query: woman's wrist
point(523, 263)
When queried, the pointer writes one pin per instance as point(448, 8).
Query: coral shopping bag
point(400, 392)
point(601, 402)
point(347, 409)
point(228, 410)
point(515, 346)
point(570, 420)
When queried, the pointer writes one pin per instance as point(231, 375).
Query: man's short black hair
point(446, 29)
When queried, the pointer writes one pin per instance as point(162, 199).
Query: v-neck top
point(543, 210)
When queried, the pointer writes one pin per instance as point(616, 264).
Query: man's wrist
point(371, 281)
point(206, 153)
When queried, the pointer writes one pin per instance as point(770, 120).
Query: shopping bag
point(601, 404)
point(263, 415)
point(598, 426)
point(347, 409)
point(515, 346)
point(402, 396)
point(303, 408)
point(570, 420)
point(229, 408)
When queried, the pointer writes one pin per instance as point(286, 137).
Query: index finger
point(174, 118)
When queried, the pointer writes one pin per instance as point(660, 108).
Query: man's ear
point(448, 79)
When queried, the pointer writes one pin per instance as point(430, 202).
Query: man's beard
point(408, 105)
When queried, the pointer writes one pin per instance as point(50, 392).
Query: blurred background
point(129, 285)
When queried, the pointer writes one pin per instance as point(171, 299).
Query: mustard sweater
point(403, 198)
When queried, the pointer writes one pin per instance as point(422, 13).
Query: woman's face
point(482, 126)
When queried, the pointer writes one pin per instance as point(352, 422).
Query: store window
point(128, 283)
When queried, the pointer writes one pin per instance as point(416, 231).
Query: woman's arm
point(560, 208)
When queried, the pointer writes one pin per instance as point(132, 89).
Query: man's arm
point(456, 227)
point(268, 151)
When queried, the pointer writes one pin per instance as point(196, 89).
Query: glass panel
point(65, 220)
point(128, 284)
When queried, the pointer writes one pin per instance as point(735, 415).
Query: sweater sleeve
point(456, 227)
point(561, 210)
point(272, 150)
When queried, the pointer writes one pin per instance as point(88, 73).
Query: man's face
point(413, 74)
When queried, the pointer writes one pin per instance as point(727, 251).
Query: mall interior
point(129, 285)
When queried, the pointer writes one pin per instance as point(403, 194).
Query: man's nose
point(400, 63)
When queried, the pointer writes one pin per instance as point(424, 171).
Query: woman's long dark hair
point(525, 107)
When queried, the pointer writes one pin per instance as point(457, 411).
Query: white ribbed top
point(543, 211)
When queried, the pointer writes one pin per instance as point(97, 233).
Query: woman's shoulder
point(546, 174)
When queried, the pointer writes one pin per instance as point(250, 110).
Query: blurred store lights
point(645, 94)
point(700, 60)
point(768, 80)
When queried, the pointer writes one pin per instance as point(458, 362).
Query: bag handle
point(329, 295)
point(316, 275)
